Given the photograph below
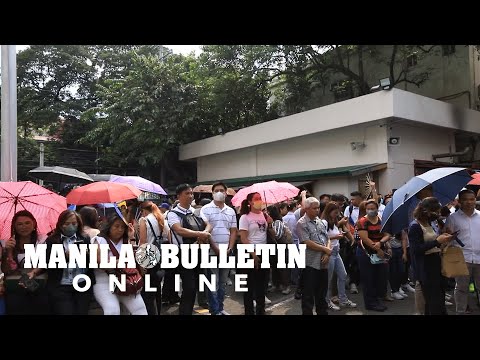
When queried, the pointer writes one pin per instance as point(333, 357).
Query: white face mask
point(219, 196)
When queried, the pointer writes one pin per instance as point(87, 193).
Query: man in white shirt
point(466, 221)
point(351, 212)
point(223, 221)
point(181, 235)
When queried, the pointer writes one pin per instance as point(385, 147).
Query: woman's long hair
point(26, 213)
point(424, 207)
point(55, 235)
point(153, 209)
point(245, 206)
point(89, 216)
point(331, 206)
point(362, 210)
point(105, 231)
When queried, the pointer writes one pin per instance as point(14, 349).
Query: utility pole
point(42, 159)
point(9, 114)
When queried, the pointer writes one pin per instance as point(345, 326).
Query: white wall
point(332, 185)
point(360, 110)
point(416, 143)
point(232, 164)
point(330, 149)
point(341, 185)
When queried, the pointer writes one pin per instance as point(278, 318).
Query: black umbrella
point(58, 174)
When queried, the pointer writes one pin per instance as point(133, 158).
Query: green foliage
point(135, 105)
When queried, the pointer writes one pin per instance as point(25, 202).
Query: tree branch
point(392, 63)
point(417, 83)
point(426, 50)
point(339, 55)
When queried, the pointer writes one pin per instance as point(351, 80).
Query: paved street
point(288, 305)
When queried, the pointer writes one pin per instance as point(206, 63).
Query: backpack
point(286, 237)
point(192, 222)
point(134, 280)
point(351, 224)
point(158, 238)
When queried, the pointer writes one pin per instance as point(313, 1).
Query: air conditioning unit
point(394, 141)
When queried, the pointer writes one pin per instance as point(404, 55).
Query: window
point(448, 50)
point(412, 60)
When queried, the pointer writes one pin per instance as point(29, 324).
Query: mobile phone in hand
point(30, 284)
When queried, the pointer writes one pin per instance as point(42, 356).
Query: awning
point(300, 183)
point(302, 177)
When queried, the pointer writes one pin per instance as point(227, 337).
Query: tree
point(295, 72)
point(51, 82)
point(160, 104)
point(148, 113)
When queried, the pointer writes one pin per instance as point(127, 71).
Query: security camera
point(353, 145)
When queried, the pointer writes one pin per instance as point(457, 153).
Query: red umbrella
point(102, 192)
point(45, 205)
point(475, 180)
point(272, 192)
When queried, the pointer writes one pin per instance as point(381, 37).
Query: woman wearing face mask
point(426, 255)
point(63, 298)
point(372, 241)
point(253, 227)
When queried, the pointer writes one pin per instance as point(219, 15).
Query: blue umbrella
point(446, 184)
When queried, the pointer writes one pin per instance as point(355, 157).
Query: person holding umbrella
point(21, 300)
point(253, 227)
point(426, 254)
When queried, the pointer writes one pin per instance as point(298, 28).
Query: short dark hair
point(291, 206)
point(181, 188)
point(205, 201)
point(356, 193)
point(371, 201)
point(283, 205)
point(466, 191)
point(337, 197)
point(324, 196)
point(274, 213)
point(219, 183)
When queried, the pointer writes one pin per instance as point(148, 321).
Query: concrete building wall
point(448, 75)
point(416, 143)
point(330, 149)
point(332, 185)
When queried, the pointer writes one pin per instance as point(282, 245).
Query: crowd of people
point(346, 252)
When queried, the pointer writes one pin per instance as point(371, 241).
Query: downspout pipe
point(460, 153)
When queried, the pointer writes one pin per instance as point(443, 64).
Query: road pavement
point(288, 305)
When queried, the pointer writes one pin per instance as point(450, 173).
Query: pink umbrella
point(102, 192)
point(272, 192)
point(45, 205)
